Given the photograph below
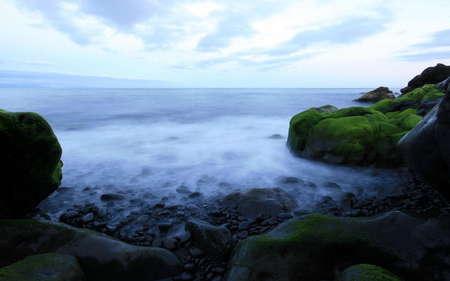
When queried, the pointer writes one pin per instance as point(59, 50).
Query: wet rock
point(94, 251)
point(49, 267)
point(216, 240)
point(70, 214)
point(431, 75)
point(164, 226)
point(276, 137)
point(112, 196)
point(143, 219)
point(87, 218)
point(257, 201)
point(379, 94)
point(366, 272)
point(305, 248)
point(30, 162)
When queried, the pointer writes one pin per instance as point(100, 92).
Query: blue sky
point(218, 43)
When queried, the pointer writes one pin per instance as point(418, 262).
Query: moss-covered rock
point(365, 136)
point(31, 167)
point(44, 267)
point(313, 247)
point(101, 257)
point(366, 272)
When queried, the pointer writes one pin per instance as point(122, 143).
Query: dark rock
point(425, 148)
point(258, 201)
point(69, 214)
point(87, 218)
point(101, 257)
point(431, 75)
point(313, 246)
point(49, 267)
point(276, 137)
point(196, 252)
point(379, 94)
point(216, 240)
point(31, 166)
point(244, 225)
point(243, 234)
point(164, 226)
point(366, 272)
point(112, 196)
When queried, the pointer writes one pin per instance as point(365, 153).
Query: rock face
point(313, 247)
point(430, 75)
point(48, 267)
point(216, 240)
point(366, 272)
point(426, 148)
point(364, 136)
point(31, 166)
point(101, 257)
point(256, 201)
point(379, 94)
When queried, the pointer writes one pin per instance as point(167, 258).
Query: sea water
point(211, 141)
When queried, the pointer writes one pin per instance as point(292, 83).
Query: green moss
point(367, 272)
point(43, 267)
point(299, 128)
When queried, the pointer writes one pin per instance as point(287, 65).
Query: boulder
point(366, 272)
point(256, 201)
point(314, 247)
point(101, 257)
point(379, 94)
point(426, 147)
point(48, 267)
point(31, 166)
point(216, 240)
point(430, 75)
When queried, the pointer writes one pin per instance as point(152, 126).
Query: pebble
point(189, 266)
point(70, 214)
point(143, 219)
point(163, 226)
point(88, 217)
point(196, 252)
point(285, 216)
point(244, 225)
point(242, 234)
point(112, 196)
point(170, 244)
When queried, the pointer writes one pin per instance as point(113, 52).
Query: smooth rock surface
point(313, 247)
point(48, 267)
point(100, 256)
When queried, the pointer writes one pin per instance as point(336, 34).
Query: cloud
point(437, 39)
point(123, 14)
point(47, 79)
point(435, 48)
point(41, 63)
point(233, 26)
point(425, 56)
point(349, 31)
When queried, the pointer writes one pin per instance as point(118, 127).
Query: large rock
point(379, 94)
point(366, 272)
point(31, 166)
point(314, 247)
point(48, 267)
point(430, 75)
point(426, 148)
point(101, 257)
point(216, 240)
point(256, 201)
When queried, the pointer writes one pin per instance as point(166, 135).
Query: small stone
point(70, 214)
point(157, 243)
point(262, 217)
point(189, 266)
point(285, 216)
point(196, 252)
point(88, 217)
point(185, 276)
point(170, 244)
point(102, 212)
point(112, 196)
point(143, 219)
point(183, 190)
point(193, 209)
point(243, 234)
point(163, 226)
point(180, 214)
point(244, 225)
point(194, 195)
point(186, 237)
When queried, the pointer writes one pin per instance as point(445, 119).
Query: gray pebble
point(163, 226)
point(143, 219)
point(88, 217)
point(243, 234)
point(244, 225)
point(70, 214)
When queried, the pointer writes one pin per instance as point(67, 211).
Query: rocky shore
point(401, 233)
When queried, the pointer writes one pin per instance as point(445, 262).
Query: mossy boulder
point(44, 267)
point(366, 272)
point(314, 247)
point(31, 167)
point(101, 257)
point(363, 136)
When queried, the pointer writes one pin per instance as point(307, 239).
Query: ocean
point(150, 142)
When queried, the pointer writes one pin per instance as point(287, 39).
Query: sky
point(220, 43)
